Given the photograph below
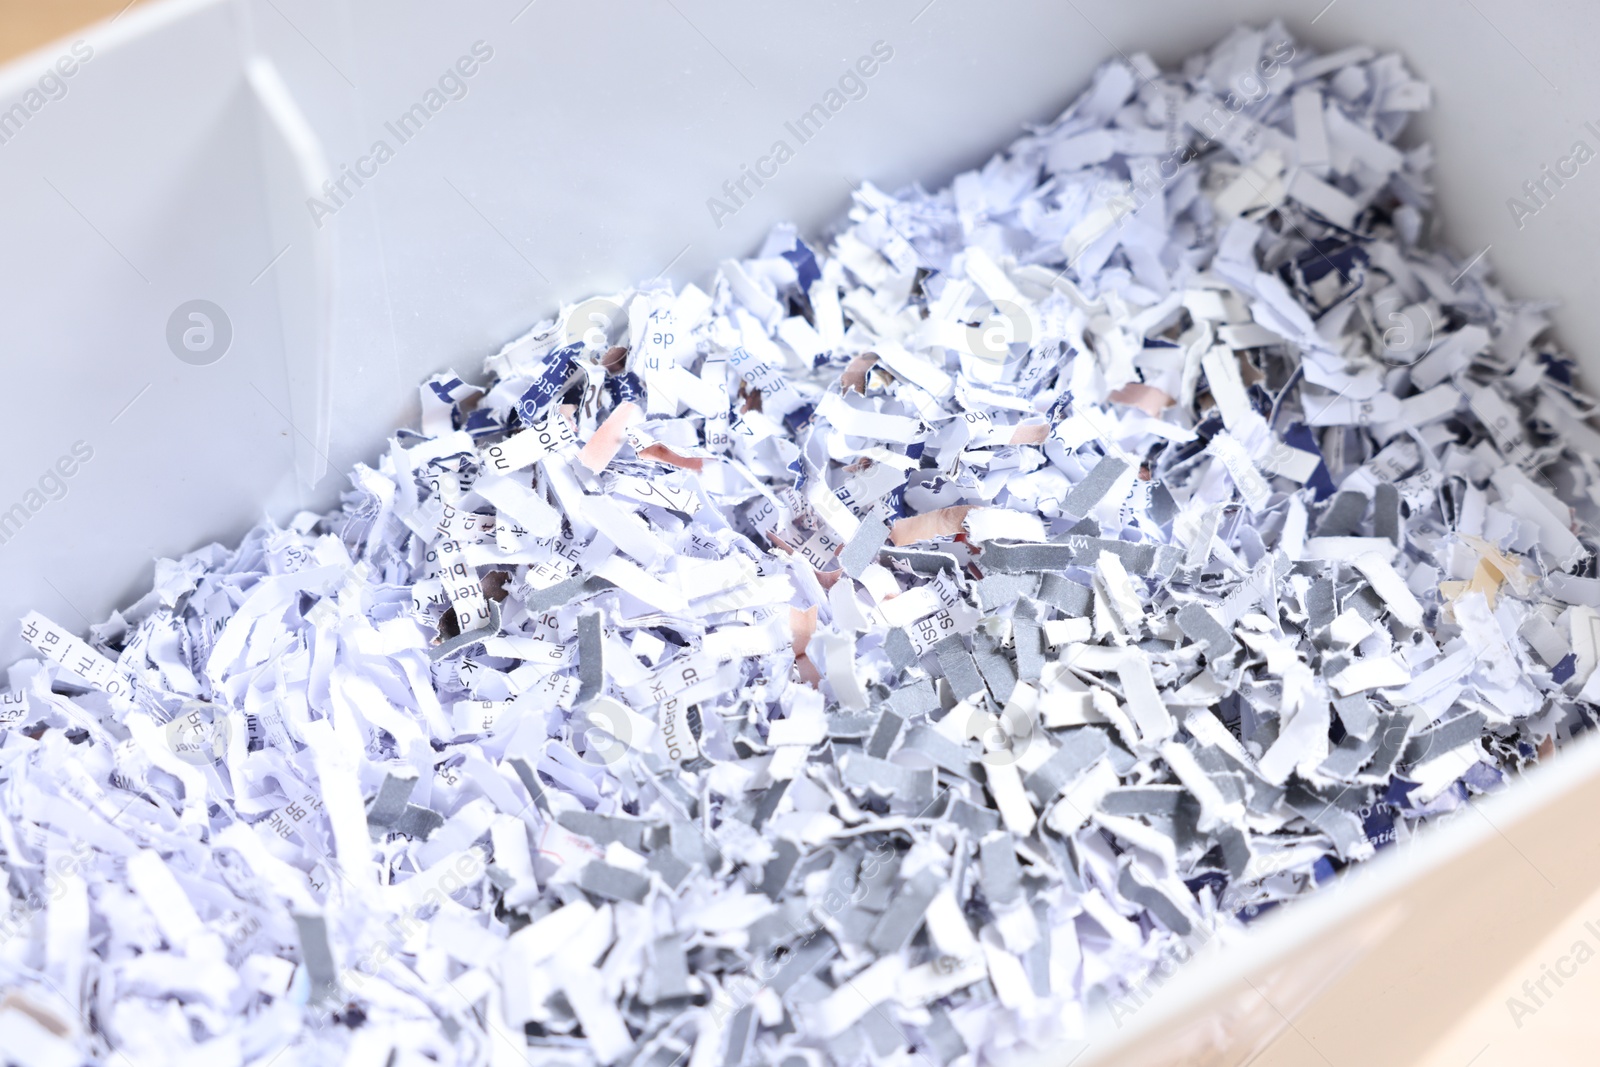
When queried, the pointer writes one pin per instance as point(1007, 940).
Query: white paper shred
point(908, 646)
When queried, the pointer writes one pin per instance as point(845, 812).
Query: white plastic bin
point(537, 151)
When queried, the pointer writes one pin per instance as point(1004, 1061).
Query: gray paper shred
point(1083, 528)
point(1235, 850)
point(902, 654)
point(669, 866)
point(1003, 557)
point(740, 1028)
point(691, 846)
point(321, 970)
point(530, 782)
point(613, 883)
point(1350, 755)
point(1148, 560)
point(1365, 602)
point(668, 977)
point(1200, 625)
point(1071, 598)
point(947, 754)
point(807, 958)
point(554, 596)
point(904, 913)
point(1163, 508)
point(390, 803)
point(1036, 958)
point(1230, 784)
point(852, 725)
point(1095, 485)
point(416, 822)
point(976, 821)
point(1122, 761)
point(995, 667)
point(942, 1037)
point(768, 804)
point(1002, 875)
point(539, 601)
point(876, 881)
point(775, 875)
point(681, 800)
point(1080, 748)
point(659, 1056)
point(905, 785)
point(1444, 737)
point(1150, 800)
point(914, 697)
point(1320, 604)
point(882, 1033)
point(1154, 900)
point(854, 925)
point(1001, 590)
point(862, 549)
point(958, 667)
point(1341, 826)
point(1357, 714)
point(591, 671)
point(884, 734)
point(1386, 513)
point(1344, 515)
point(1028, 645)
point(605, 829)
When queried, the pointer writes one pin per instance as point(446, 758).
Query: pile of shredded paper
point(882, 656)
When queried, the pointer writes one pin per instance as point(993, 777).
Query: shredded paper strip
point(888, 655)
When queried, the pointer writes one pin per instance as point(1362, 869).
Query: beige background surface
point(1564, 1029)
point(1556, 1025)
point(27, 24)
